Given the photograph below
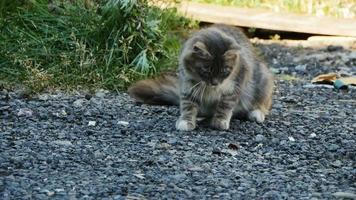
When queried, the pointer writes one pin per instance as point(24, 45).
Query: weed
point(89, 43)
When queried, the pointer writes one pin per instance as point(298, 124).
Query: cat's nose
point(214, 82)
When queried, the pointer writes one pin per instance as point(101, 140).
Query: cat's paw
point(220, 124)
point(184, 125)
point(257, 116)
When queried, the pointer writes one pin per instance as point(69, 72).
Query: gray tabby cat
point(219, 76)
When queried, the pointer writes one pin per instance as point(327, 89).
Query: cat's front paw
point(220, 124)
point(257, 116)
point(184, 125)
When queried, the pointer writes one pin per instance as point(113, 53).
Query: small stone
point(252, 192)
point(62, 142)
point(123, 123)
point(4, 108)
point(61, 114)
point(50, 193)
point(196, 169)
point(284, 69)
point(164, 145)
point(275, 70)
point(260, 138)
point(59, 190)
point(337, 163)
point(225, 182)
point(275, 140)
point(290, 138)
point(316, 194)
point(172, 141)
point(92, 123)
point(140, 176)
point(286, 123)
point(301, 68)
point(101, 93)
point(312, 135)
point(25, 112)
point(348, 195)
point(43, 97)
point(232, 152)
point(333, 147)
point(98, 154)
point(79, 103)
point(310, 86)
point(178, 177)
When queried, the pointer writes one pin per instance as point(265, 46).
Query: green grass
point(334, 8)
point(86, 43)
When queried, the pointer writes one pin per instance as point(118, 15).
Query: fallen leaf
point(348, 80)
point(332, 77)
point(325, 78)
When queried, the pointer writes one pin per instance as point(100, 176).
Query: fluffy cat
point(219, 76)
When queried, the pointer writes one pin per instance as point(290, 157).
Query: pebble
point(196, 169)
point(79, 103)
point(260, 138)
point(301, 68)
point(25, 112)
point(101, 93)
point(43, 97)
point(62, 142)
point(92, 123)
point(312, 135)
point(124, 123)
point(347, 195)
point(333, 147)
point(337, 163)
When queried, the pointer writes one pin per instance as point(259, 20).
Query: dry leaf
point(325, 78)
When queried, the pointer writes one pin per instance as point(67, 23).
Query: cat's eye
point(204, 69)
point(226, 71)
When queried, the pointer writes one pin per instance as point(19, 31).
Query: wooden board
point(268, 20)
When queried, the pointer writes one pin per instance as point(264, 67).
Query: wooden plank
point(268, 20)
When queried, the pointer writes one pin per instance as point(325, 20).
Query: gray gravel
point(104, 146)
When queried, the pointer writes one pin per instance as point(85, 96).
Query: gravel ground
point(104, 146)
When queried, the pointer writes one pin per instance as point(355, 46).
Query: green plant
point(86, 43)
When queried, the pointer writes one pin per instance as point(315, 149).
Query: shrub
point(86, 43)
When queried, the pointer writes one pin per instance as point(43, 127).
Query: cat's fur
point(219, 76)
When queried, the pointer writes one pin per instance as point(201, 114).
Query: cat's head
point(211, 58)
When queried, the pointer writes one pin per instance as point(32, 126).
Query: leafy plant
point(86, 43)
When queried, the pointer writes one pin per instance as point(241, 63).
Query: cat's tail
point(162, 90)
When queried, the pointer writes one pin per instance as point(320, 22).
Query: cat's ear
point(232, 54)
point(200, 50)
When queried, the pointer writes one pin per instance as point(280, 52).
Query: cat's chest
point(212, 95)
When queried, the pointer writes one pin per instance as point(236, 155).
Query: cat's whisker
point(195, 85)
point(195, 92)
point(202, 94)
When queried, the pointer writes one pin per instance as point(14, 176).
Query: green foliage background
point(86, 43)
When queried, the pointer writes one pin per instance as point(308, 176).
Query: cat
point(219, 76)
